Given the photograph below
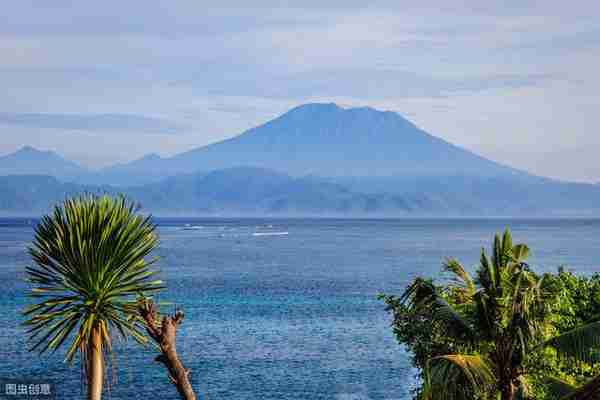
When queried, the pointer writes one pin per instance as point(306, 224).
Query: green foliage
point(576, 342)
point(90, 265)
point(505, 329)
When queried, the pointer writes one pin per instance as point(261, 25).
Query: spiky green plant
point(90, 264)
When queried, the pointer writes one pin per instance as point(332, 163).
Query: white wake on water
point(270, 233)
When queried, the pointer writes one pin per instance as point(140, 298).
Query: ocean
point(282, 308)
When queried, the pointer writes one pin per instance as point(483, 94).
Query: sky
point(110, 81)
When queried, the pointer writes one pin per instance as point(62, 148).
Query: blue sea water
point(283, 309)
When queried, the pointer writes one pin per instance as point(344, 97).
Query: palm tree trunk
point(507, 391)
point(95, 367)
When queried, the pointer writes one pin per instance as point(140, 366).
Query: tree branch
point(164, 335)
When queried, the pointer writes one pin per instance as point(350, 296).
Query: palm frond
point(581, 343)
point(507, 247)
point(558, 388)
point(457, 376)
point(487, 275)
point(520, 252)
point(461, 277)
point(589, 391)
point(422, 294)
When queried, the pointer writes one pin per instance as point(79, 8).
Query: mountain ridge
point(314, 139)
point(234, 191)
point(251, 191)
point(316, 159)
point(30, 161)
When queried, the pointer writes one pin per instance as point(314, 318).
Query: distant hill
point(234, 191)
point(254, 191)
point(147, 169)
point(257, 191)
point(34, 194)
point(322, 140)
point(30, 161)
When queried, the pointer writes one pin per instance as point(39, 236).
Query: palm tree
point(496, 322)
point(496, 319)
point(90, 266)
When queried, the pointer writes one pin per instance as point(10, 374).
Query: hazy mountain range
point(317, 159)
point(28, 160)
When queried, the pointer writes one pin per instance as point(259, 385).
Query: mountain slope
point(29, 161)
point(234, 191)
point(34, 194)
point(149, 168)
point(327, 140)
point(259, 192)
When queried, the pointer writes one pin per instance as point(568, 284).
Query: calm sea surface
point(283, 309)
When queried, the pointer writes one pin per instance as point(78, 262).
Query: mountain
point(143, 170)
point(30, 161)
point(235, 191)
point(316, 159)
point(251, 191)
point(34, 194)
point(324, 140)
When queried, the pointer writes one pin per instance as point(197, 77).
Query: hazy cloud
point(92, 122)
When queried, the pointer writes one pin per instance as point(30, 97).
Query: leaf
point(458, 376)
point(462, 277)
point(558, 387)
point(578, 343)
point(520, 252)
point(422, 294)
point(589, 391)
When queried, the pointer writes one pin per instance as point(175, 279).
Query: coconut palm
point(497, 319)
point(89, 267)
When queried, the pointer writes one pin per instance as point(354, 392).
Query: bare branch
point(165, 335)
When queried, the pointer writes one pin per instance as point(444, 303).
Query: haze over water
point(284, 309)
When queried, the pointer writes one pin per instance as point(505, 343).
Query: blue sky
point(514, 81)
